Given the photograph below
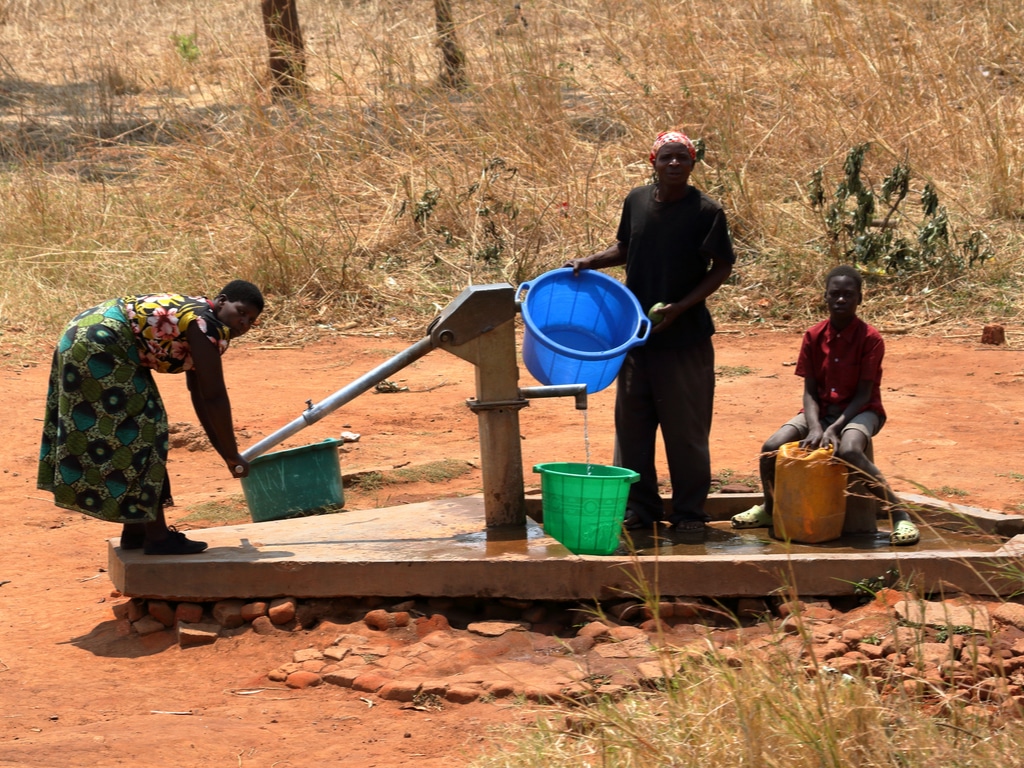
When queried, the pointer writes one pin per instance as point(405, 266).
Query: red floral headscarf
point(672, 137)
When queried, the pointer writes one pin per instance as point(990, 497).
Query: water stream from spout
point(586, 439)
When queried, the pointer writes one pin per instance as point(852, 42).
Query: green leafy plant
point(944, 633)
point(865, 226)
point(186, 47)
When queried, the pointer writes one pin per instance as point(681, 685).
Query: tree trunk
point(453, 60)
point(287, 51)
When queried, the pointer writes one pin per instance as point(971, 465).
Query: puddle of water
point(720, 539)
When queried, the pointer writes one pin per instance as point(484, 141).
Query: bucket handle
point(643, 329)
point(519, 292)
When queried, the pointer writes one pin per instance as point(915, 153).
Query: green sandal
point(755, 517)
point(904, 534)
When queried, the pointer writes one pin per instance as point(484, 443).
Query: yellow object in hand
point(654, 313)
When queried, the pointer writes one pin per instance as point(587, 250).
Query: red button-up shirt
point(839, 360)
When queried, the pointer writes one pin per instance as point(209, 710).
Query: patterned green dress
point(105, 436)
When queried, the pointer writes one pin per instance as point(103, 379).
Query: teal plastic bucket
point(294, 482)
point(584, 505)
point(578, 328)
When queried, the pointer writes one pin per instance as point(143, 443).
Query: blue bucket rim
point(585, 274)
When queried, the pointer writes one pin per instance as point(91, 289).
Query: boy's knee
point(851, 455)
point(779, 439)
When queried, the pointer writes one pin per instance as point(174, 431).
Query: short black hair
point(242, 290)
point(845, 270)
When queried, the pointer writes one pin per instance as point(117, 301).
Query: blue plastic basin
point(578, 328)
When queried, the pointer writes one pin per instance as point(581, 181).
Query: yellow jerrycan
point(810, 495)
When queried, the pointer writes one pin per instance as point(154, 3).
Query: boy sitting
point(841, 364)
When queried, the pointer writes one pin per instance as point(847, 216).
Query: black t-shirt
point(669, 248)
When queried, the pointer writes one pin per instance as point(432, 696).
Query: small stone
point(993, 334)
point(307, 654)
point(336, 653)
point(192, 635)
point(595, 629)
point(436, 623)
point(303, 679)
point(463, 694)
point(399, 690)
point(494, 628)
point(262, 625)
point(499, 689)
point(626, 633)
point(147, 625)
point(380, 620)
point(790, 607)
point(252, 611)
point(282, 610)
point(370, 682)
point(580, 644)
point(1010, 613)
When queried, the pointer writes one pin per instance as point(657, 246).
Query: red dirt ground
point(79, 688)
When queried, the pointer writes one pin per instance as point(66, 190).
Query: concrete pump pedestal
point(443, 549)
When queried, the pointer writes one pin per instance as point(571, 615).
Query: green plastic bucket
point(584, 505)
point(295, 482)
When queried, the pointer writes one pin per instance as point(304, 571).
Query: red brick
point(303, 679)
point(379, 619)
point(436, 623)
point(371, 682)
point(399, 690)
point(262, 625)
point(463, 694)
point(189, 613)
point(161, 611)
point(191, 635)
point(136, 609)
point(252, 611)
point(228, 613)
point(282, 610)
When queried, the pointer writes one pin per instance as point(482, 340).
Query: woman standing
point(105, 434)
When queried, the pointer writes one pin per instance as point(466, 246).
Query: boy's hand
point(813, 439)
point(831, 437)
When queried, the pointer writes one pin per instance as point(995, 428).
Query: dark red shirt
point(839, 360)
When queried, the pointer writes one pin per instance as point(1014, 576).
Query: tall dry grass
point(758, 713)
point(127, 167)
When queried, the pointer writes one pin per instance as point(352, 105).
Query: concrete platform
point(441, 549)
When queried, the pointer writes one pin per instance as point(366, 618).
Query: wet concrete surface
point(719, 538)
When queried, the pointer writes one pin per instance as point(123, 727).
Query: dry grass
point(759, 713)
point(127, 167)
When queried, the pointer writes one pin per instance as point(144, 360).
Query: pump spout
point(578, 391)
